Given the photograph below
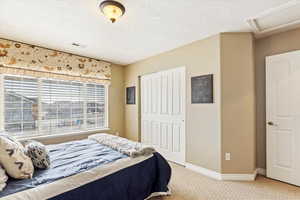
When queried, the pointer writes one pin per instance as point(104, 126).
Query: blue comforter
point(133, 183)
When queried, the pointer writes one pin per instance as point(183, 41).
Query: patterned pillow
point(3, 178)
point(38, 154)
point(13, 158)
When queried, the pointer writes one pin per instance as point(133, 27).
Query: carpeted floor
point(188, 185)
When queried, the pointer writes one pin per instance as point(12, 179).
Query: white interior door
point(283, 117)
point(163, 113)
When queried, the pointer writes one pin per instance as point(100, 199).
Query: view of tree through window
point(43, 106)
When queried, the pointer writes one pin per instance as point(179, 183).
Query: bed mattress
point(86, 170)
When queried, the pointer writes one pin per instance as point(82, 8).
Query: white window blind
point(20, 104)
point(40, 106)
point(95, 105)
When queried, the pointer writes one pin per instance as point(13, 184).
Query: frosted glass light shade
point(113, 10)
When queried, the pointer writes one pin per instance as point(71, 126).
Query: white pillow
point(13, 158)
point(3, 178)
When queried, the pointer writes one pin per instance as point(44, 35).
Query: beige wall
point(202, 120)
point(117, 100)
point(228, 125)
point(116, 109)
point(203, 57)
point(238, 102)
point(203, 129)
point(275, 44)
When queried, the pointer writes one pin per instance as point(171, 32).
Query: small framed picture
point(130, 95)
point(202, 89)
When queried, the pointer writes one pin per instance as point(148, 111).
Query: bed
point(87, 170)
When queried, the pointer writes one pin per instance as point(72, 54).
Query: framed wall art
point(130, 95)
point(202, 89)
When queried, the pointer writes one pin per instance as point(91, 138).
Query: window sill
point(87, 132)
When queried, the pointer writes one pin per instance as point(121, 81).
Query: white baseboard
point(261, 171)
point(204, 171)
point(239, 177)
point(219, 176)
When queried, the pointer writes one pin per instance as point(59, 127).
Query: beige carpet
point(188, 185)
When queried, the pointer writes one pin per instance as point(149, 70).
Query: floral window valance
point(23, 59)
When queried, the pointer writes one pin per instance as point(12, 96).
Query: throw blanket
point(128, 147)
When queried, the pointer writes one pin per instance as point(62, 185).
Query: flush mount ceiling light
point(112, 10)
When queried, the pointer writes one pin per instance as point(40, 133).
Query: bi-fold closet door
point(163, 112)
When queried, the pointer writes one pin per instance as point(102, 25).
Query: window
point(41, 106)
point(20, 104)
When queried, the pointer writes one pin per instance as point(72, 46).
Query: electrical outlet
point(227, 156)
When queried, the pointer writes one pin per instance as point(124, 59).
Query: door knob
point(271, 123)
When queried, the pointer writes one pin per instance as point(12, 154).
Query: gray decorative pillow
point(38, 154)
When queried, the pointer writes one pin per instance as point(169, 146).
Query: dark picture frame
point(202, 89)
point(130, 95)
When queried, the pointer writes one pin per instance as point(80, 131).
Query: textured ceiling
point(149, 27)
